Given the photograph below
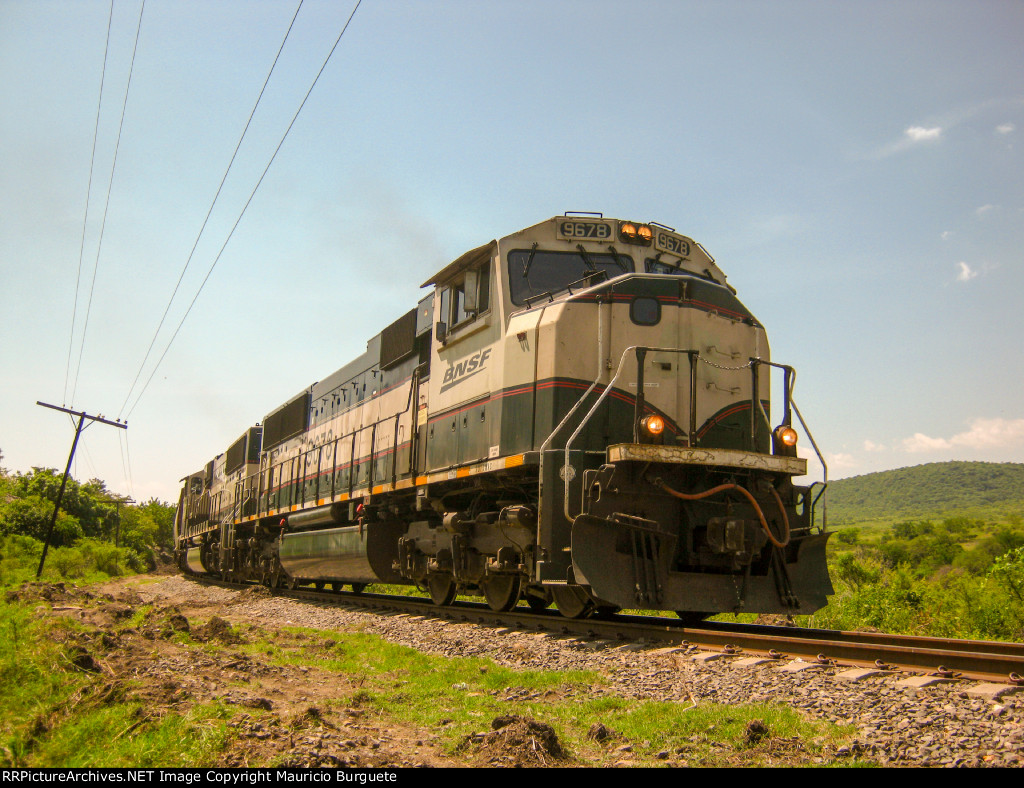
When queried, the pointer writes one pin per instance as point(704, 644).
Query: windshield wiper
point(618, 262)
point(586, 259)
point(529, 260)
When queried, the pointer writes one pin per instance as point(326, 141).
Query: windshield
point(534, 272)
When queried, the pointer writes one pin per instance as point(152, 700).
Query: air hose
point(753, 502)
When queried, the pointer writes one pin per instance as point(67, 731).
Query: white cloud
point(946, 235)
point(984, 434)
point(944, 122)
point(840, 462)
point(991, 434)
point(921, 443)
point(915, 135)
point(984, 209)
point(872, 446)
point(921, 134)
point(966, 272)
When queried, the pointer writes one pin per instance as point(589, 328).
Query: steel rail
point(900, 654)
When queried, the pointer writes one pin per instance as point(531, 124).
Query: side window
point(658, 267)
point(468, 297)
point(645, 311)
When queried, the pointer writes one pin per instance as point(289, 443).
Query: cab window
point(466, 297)
point(533, 272)
point(658, 267)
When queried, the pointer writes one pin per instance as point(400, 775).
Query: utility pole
point(82, 416)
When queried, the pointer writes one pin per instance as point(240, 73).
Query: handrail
point(600, 399)
point(788, 402)
point(824, 467)
point(572, 410)
point(302, 458)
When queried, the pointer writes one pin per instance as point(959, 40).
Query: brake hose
point(753, 502)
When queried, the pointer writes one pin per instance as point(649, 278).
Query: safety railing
point(692, 438)
point(301, 467)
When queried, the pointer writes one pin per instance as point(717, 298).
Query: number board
point(584, 229)
point(669, 242)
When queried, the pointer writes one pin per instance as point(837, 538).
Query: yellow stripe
point(514, 461)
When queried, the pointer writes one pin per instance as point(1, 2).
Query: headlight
point(653, 425)
point(633, 233)
point(784, 440)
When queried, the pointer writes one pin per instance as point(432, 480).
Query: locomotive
point(577, 413)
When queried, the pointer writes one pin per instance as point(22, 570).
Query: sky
point(855, 169)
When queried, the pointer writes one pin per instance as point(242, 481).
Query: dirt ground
point(287, 715)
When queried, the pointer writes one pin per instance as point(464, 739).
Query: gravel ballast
point(934, 726)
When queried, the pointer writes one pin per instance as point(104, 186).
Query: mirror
point(471, 288)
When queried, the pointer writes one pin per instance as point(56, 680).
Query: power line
point(128, 454)
point(106, 205)
point(245, 207)
point(88, 194)
point(210, 211)
point(124, 464)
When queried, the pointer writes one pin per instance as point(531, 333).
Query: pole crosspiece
point(82, 417)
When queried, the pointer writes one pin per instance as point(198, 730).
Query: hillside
point(935, 490)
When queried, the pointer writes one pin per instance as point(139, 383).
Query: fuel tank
point(337, 554)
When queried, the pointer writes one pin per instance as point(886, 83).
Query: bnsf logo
point(457, 373)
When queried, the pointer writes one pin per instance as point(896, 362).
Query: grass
point(176, 741)
point(459, 696)
point(56, 715)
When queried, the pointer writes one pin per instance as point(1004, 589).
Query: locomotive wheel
point(358, 588)
point(502, 591)
point(691, 618)
point(572, 601)
point(442, 589)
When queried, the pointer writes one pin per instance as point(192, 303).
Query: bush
point(1008, 571)
point(974, 562)
point(854, 573)
point(68, 561)
point(848, 536)
point(31, 515)
point(19, 558)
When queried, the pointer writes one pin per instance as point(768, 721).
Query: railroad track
point(990, 661)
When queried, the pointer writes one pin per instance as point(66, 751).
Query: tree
point(1008, 571)
point(163, 515)
point(30, 516)
point(94, 515)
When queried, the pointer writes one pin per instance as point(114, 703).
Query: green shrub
point(1008, 571)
